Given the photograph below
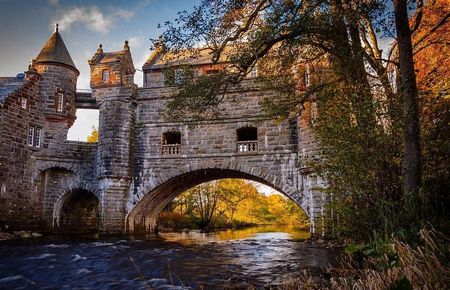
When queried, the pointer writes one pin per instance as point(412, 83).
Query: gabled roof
point(9, 85)
point(55, 51)
point(107, 57)
point(159, 59)
point(101, 57)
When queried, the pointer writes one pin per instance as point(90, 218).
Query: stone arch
point(42, 166)
point(77, 211)
point(143, 212)
point(53, 181)
point(286, 182)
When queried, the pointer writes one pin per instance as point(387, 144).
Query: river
point(257, 256)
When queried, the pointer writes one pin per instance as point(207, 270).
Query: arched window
point(247, 139)
point(171, 143)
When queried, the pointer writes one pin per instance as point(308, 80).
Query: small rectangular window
point(60, 102)
point(34, 136)
point(31, 136)
point(105, 75)
point(179, 76)
point(24, 103)
point(307, 76)
point(37, 137)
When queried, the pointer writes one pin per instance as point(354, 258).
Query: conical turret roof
point(55, 51)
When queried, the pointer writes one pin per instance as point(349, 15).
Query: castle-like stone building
point(141, 161)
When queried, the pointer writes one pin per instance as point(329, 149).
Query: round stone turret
point(57, 87)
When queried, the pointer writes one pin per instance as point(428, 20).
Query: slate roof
point(55, 51)
point(108, 57)
point(158, 60)
point(9, 85)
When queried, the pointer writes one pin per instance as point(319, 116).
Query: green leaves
point(364, 249)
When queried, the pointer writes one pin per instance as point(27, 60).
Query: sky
point(25, 26)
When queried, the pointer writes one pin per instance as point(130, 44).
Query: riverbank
point(14, 235)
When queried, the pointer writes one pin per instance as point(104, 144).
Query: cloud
point(136, 40)
point(91, 17)
point(53, 2)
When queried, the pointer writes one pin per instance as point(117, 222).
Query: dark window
point(171, 143)
point(171, 138)
point(247, 134)
point(247, 140)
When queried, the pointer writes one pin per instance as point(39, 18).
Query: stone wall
point(211, 145)
point(19, 205)
point(127, 178)
point(59, 172)
point(56, 79)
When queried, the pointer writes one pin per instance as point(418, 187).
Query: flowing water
point(256, 256)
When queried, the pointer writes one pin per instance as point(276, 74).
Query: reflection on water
point(255, 256)
point(261, 232)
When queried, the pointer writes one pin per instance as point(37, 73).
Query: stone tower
point(112, 83)
point(57, 88)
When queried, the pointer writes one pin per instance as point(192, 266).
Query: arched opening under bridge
point(77, 212)
point(142, 217)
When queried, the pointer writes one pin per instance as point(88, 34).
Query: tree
point(205, 198)
point(431, 39)
point(230, 203)
point(243, 33)
point(360, 120)
point(408, 88)
point(93, 137)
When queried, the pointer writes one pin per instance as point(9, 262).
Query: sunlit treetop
point(278, 37)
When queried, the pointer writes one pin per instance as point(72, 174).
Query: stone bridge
point(141, 161)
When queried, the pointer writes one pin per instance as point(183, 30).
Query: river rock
point(6, 236)
point(36, 235)
point(23, 234)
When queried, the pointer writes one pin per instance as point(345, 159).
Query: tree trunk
point(408, 89)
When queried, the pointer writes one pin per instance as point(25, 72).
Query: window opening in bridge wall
point(247, 139)
point(171, 143)
point(87, 119)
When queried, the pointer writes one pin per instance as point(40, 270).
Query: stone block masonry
point(141, 161)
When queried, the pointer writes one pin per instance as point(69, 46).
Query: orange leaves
point(431, 44)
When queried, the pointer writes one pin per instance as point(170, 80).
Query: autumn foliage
point(93, 137)
point(230, 203)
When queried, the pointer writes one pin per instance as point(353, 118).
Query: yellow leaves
point(239, 202)
point(94, 136)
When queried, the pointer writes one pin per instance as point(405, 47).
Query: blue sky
point(25, 26)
